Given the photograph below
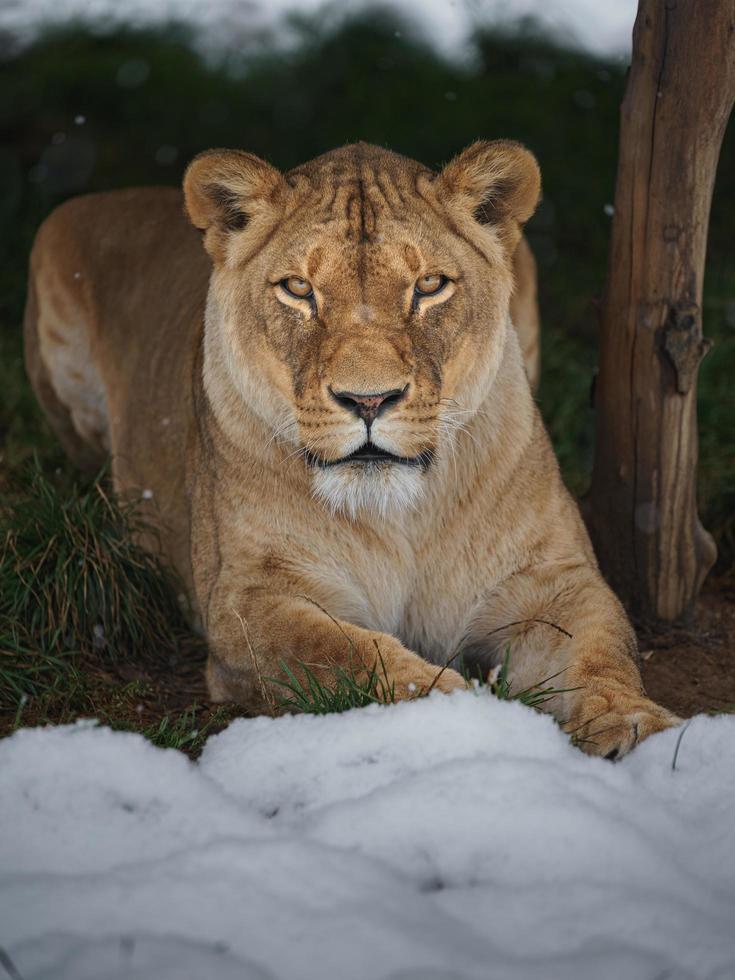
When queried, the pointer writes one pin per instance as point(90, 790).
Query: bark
point(642, 503)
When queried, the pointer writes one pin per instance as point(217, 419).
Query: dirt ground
point(692, 670)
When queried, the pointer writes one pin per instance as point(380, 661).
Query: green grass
point(73, 581)
point(535, 696)
point(81, 601)
point(186, 731)
point(349, 688)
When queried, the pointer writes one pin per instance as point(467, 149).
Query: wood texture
point(642, 503)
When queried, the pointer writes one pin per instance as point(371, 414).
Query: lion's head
point(359, 303)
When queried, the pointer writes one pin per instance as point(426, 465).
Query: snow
point(452, 838)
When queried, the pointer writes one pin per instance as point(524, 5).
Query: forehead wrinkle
point(325, 203)
point(388, 191)
point(353, 212)
point(369, 213)
point(346, 211)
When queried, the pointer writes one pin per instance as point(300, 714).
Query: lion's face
point(362, 302)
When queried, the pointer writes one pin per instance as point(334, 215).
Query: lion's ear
point(498, 183)
point(227, 190)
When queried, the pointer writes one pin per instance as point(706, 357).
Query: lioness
point(331, 416)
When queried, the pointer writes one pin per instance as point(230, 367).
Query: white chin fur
point(373, 488)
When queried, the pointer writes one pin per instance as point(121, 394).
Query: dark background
point(88, 108)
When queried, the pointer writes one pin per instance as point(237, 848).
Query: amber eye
point(431, 284)
point(298, 287)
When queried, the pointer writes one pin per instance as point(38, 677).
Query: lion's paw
point(419, 678)
point(448, 680)
point(616, 729)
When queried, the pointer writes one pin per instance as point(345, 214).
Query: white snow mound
point(453, 838)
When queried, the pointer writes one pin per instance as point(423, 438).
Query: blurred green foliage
point(87, 109)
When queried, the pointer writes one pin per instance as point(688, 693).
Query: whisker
point(460, 427)
point(280, 429)
point(299, 451)
point(450, 444)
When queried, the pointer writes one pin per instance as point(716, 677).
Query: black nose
point(368, 406)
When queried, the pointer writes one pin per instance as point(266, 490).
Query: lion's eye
point(430, 285)
point(298, 287)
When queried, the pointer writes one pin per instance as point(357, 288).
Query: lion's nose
point(369, 406)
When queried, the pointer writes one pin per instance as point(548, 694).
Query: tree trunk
point(642, 504)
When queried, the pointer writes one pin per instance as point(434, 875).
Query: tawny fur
point(208, 382)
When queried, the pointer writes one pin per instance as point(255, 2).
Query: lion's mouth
point(370, 453)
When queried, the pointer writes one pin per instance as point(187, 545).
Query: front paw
point(612, 725)
point(446, 680)
point(414, 677)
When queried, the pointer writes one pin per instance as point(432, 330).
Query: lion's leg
point(256, 638)
point(60, 365)
point(563, 628)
